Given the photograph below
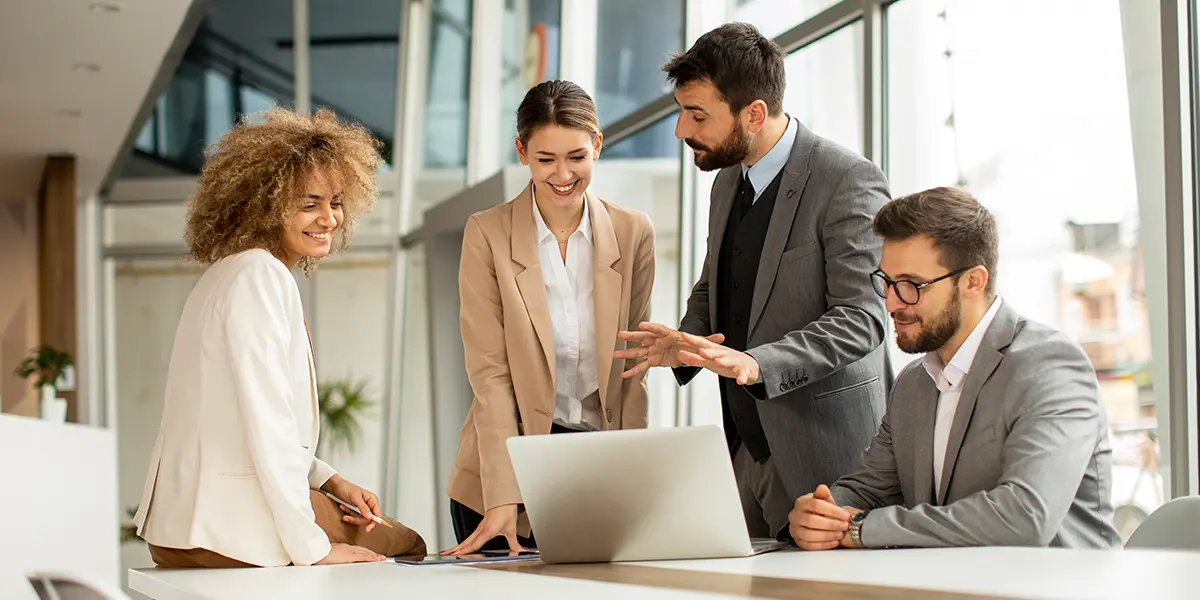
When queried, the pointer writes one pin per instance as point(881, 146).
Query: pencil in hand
point(355, 509)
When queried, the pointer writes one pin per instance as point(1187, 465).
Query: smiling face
point(718, 137)
point(560, 161)
point(937, 316)
point(309, 232)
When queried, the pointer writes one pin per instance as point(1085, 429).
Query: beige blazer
point(509, 345)
point(235, 455)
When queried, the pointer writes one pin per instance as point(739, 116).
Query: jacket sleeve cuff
point(774, 379)
point(319, 473)
point(315, 550)
point(500, 494)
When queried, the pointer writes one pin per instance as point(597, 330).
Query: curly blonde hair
point(248, 187)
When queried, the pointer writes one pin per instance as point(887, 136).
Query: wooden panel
point(747, 586)
point(56, 262)
point(18, 301)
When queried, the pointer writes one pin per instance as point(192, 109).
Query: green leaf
point(342, 402)
point(45, 361)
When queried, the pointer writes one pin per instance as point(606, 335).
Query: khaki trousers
point(394, 541)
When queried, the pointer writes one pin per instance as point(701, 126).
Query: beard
point(937, 332)
point(733, 150)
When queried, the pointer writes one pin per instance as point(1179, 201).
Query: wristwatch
point(856, 527)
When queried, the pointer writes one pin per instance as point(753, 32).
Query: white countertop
point(1013, 572)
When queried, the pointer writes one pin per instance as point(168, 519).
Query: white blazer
point(234, 459)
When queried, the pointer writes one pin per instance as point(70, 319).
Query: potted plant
point(49, 364)
point(341, 402)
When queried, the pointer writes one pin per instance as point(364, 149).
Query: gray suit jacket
point(1028, 462)
point(816, 326)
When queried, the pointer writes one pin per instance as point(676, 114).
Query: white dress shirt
point(948, 379)
point(768, 167)
point(570, 293)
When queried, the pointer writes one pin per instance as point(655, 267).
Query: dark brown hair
point(962, 230)
point(248, 187)
point(741, 62)
point(556, 102)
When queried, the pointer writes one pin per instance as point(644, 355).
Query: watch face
point(858, 516)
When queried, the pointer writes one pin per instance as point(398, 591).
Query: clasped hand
point(818, 523)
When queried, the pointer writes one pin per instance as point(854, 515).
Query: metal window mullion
point(1181, 247)
point(873, 76)
point(487, 66)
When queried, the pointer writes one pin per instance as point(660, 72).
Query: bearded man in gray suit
point(783, 311)
point(997, 437)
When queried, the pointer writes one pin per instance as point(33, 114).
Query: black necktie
point(745, 198)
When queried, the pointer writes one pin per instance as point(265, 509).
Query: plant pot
point(52, 408)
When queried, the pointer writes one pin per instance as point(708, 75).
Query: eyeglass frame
point(891, 284)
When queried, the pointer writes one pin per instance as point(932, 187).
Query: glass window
point(651, 183)
point(1079, 154)
point(444, 169)
point(825, 86)
point(240, 61)
point(532, 30)
point(635, 38)
point(446, 104)
point(353, 58)
point(145, 138)
point(655, 141)
point(773, 17)
point(218, 106)
point(255, 101)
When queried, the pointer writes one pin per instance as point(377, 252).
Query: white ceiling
point(42, 43)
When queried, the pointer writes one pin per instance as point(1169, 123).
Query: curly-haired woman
point(233, 479)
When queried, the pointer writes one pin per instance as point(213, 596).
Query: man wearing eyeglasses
point(997, 437)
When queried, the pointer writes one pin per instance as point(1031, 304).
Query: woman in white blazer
point(234, 479)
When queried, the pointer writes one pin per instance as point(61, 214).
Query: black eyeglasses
point(909, 292)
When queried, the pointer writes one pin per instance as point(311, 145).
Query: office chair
point(1174, 526)
point(53, 585)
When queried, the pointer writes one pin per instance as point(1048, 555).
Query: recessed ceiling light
point(90, 67)
point(106, 6)
point(69, 112)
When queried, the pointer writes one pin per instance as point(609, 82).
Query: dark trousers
point(466, 520)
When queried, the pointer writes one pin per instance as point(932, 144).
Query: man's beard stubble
point(733, 150)
point(934, 335)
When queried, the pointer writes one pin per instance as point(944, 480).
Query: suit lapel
point(724, 193)
point(998, 337)
point(606, 292)
point(314, 392)
point(791, 188)
point(529, 280)
point(924, 416)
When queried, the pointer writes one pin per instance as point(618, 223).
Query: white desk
point(996, 572)
point(59, 512)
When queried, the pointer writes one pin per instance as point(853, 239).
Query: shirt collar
point(585, 224)
point(768, 167)
point(948, 376)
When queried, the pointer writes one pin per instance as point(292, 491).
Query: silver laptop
point(632, 495)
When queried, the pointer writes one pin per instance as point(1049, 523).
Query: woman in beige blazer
point(234, 479)
point(546, 282)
